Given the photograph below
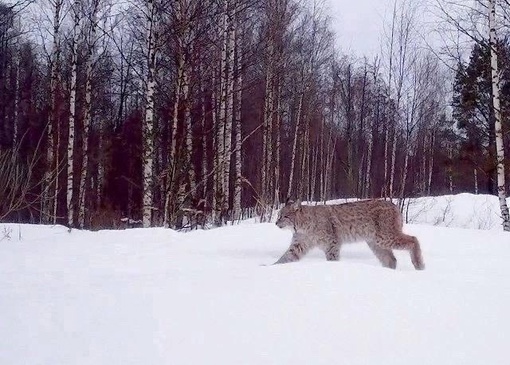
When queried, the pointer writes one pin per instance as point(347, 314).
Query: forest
point(193, 113)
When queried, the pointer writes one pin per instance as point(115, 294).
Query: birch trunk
point(431, 163)
point(50, 178)
point(369, 161)
point(238, 132)
point(216, 140)
point(204, 140)
point(16, 100)
point(172, 159)
point(294, 147)
point(500, 151)
point(221, 129)
point(229, 100)
point(386, 145)
point(189, 136)
point(393, 162)
point(87, 118)
point(148, 123)
point(267, 137)
point(322, 155)
point(277, 149)
point(100, 165)
point(72, 118)
point(423, 165)
point(404, 169)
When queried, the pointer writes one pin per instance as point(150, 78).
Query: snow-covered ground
point(156, 296)
point(461, 211)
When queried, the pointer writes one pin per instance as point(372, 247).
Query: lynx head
point(287, 216)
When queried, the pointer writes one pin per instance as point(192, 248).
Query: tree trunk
point(169, 209)
point(393, 162)
point(229, 107)
point(16, 93)
point(500, 151)
point(87, 118)
point(51, 174)
point(431, 162)
point(72, 118)
point(204, 176)
point(386, 162)
point(404, 169)
point(294, 147)
point(369, 161)
point(238, 185)
point(148, 123)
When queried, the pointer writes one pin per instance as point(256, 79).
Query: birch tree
point(500, 152)
point(238, 90)
point(87, 118)
point(72, 114)
point(149, 115)
point(50, 193)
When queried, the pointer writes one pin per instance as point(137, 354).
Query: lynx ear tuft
point(296, 205)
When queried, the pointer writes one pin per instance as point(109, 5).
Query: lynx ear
point(296, 205)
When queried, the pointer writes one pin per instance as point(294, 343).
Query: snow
point(156, 296)
point(460, 210)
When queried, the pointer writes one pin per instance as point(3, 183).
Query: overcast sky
point(359, 23)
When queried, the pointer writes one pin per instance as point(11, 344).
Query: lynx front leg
point(332, 250)
point(297, 249)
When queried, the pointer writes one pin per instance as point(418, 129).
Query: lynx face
point(287, 215)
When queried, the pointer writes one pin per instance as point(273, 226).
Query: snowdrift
point(156, 296)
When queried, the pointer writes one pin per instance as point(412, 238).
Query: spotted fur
point(377, 222)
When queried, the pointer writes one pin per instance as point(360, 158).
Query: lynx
point(327, 227)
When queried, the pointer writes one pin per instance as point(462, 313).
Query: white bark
point(204, 139)
point(189, 135)
point(229, 100)
point(369, 160)
point(386, 160)
point(393, 163)
point(100, 165)
point(218, 138)
point(294, 147)
point(267, 134)
point(16, 100)
point(238, 185)
point(276, 149)
point(148, 124)
point(500, 151)
point(223, 138)
point(431, 162)
point(72, 117)
point(173, 144)
point(49, 196)
point(87, 118)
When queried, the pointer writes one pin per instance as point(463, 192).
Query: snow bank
point(460, 210)
point(155, 296)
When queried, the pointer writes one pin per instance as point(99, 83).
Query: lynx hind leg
point(415, 251)
point(409, 243)
point(297, 249)
point(384, 255)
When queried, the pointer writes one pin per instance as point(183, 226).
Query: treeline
point(186, 112)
